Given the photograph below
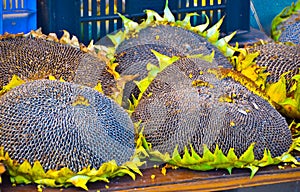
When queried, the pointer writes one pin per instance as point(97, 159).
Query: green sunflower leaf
point(186, 22)
point(153, 70)
point(79, 181)
point(152, 15)
point(168, 15)
point(60, 175)
point(221, 161)
point(176, 156)
point(194, 155)
point(25, 168)
point(14, 82)
point(122, 172)
point(164, 61)
point(208, 156)
point(253, 169)
point(222, 45)
point(289, 158)
point(128, 23)
point(38, 171)
point(117, 38)
point(201, 28)
point(267, 159)
point(277, 91)
point(213, 33)
point(134, 167)
point(103, 178)
point(231, 156)
point(248, 155)
point(186, 158)
point(208, 58)
point(47, 182)
point(20, 179)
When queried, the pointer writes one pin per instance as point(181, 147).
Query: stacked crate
point(18, 16)
point(93, 19)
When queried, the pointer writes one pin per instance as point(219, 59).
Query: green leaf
point(164, 61)
point(213, 33)
point(60, 175)
point(201, 28)
point(186, 158)
point(229, 169)
point(14, 82)
point(221, 161)
point(151, 15)
point(47, 182)
point(296, 77)
point(12, 166)
point(19, 179)
point(143, 84)
point(158, 156)
point(168, 16)
point(289, 101)
point(231, 156)
point(79, 181)
point(84, 171)
point(267, 159)
point(108, 167)
point(133, 166)
point(289, 158)
point(195, 155)
point(248, 155)
point(176, 156)
point(153, 70)
point(37, 171)
point(186, 22)
point(208, 58)
point(233, 159)
point(209, 161)
point(201, 167)
point(122, 172)
point(25, 168)
point(277, 91)
point(128, 23)
point(222, 45)
point(253, 169)
point(25, 173)
point(207, 155)
point(117, 38)
point(100, 178)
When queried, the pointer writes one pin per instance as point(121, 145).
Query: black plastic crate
point(93, 19)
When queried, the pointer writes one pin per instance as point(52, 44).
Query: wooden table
point(181, 180)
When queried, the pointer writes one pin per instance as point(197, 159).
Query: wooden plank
point(182, 180)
